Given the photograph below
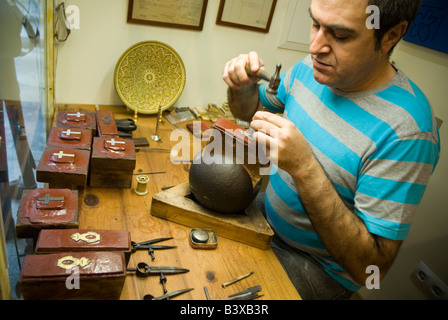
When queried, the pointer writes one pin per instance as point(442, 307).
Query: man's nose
point(319, 43)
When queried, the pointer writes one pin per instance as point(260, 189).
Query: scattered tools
point(152, 150)
point(248, 294)
point(148, 245)
point(173, 123)
point(143, 270)
point(244, 276)
point(163, 282)
point(180, 114)
point(206, 293)
point(152, 172)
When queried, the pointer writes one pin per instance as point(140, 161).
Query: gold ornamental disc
point(148, 75)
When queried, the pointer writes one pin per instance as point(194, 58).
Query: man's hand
point(242, 93)
point(286, 146)
point(235, 74)
point(343, 233)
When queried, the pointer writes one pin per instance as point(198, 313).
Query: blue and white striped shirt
point(377, 147)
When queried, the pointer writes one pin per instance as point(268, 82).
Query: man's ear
point(394, 35)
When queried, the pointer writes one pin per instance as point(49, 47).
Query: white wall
point(85, 68)
point(428, 239)
point(86, 62)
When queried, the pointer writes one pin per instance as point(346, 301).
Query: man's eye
point(340, 38)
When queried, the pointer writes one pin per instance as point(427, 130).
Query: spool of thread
point(141, 189)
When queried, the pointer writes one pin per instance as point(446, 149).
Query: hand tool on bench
point(143, 270)
point(148, 245)
point(244, 276)
point(248, 294)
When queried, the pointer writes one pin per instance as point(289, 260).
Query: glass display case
point(25, 78)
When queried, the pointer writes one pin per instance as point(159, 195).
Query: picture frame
point(168, 13)
point(245, 14)
point(429, 28)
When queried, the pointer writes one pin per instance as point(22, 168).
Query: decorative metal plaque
point(88, 237)
point(70, 262)
point(148, 75)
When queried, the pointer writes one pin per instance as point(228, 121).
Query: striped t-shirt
point(377, 147)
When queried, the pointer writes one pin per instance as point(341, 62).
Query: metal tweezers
point(148, 245)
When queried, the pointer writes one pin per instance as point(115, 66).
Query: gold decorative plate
point(148, 75)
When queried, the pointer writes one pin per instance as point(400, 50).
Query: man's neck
point(381, 76)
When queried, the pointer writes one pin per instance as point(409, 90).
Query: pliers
point(148, 245)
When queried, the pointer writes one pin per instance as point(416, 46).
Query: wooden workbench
point(123, 209)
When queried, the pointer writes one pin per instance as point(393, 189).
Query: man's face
point(342, 47)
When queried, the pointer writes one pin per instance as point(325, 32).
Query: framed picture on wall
point(430, 28)
point(246, 14)
point(168, 13)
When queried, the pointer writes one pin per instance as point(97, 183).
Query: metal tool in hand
point(274, 81)
point(156, 136)
point(168, 295)
point(143, 270)
point(148, 245)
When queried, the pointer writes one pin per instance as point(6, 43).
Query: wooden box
point(46, 208)
point(73, 275)
point(63, 168)
point(73, 138)
point(112, 163)
point(106, 125)
point(77, 119)
point(64, 240)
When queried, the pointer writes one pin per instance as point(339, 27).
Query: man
point(356, 146)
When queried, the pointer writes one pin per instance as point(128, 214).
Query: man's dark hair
point(392, 12)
